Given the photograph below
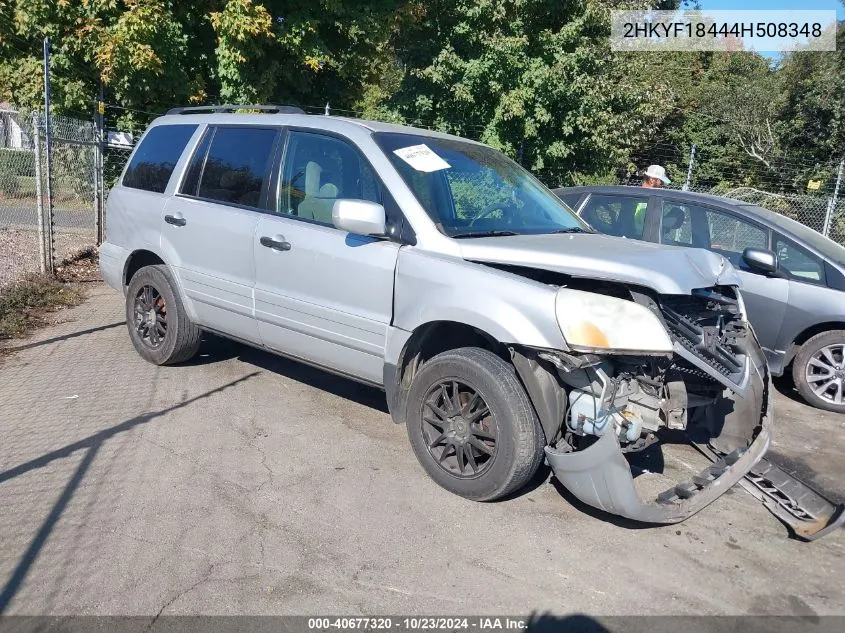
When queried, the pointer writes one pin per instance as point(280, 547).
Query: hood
point(664, 269)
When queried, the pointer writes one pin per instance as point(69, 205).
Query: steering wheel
point(503, 205)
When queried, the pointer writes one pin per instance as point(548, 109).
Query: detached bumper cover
point(600, 475)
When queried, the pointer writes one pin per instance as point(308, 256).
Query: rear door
point(728, 234)
point(208, 228)
point(136, 204)
point(321, 294)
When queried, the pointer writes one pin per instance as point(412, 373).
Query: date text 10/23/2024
point(419, 623)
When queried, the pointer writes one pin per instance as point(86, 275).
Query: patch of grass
point(25, 304)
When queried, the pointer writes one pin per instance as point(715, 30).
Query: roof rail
point(272, 109)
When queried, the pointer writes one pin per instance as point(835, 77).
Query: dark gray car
point(793, 278)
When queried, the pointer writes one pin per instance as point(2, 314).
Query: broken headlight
point(595, 322)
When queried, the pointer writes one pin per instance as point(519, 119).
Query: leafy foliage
point(535, 78)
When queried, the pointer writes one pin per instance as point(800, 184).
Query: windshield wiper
point(493, 233)
point(573, 229)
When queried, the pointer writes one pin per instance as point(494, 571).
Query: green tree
point(535, 78)
point(153, 54)
point(813, 115)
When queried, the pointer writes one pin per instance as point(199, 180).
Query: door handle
point(175, 220)
point(276, 245)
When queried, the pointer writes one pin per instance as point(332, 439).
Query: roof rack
point(272, 109)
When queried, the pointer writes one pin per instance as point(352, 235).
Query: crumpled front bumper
point(600, 476)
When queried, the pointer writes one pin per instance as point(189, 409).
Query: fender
point(512, 309)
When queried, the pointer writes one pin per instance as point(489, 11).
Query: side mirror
point(761, 260)
point(359, 217)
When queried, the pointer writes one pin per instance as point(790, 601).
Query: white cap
point(656, 171)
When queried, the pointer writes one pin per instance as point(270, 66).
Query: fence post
point(39, 194)
point(48, 163)
point(831, 204)
point(689, 169)
point(99, 202)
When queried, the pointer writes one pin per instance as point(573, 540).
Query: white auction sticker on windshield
point(421, 158)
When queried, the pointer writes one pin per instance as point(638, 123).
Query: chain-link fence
point(41, 225)
point(74, 186)
point(811, 193)
point(21, 243)
point(45, 220)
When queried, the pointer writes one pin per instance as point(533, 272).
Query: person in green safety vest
point(654, 178)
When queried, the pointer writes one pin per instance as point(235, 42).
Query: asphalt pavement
point(19, 216)
point(245, 483)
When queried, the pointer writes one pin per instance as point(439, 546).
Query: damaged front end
point(711, 381)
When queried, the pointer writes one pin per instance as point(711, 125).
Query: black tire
point(827, 348)
point(518, 444)
point(166, 337)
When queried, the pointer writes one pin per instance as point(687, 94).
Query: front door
point(717, 230)
point(321, 294)
point(208, 228)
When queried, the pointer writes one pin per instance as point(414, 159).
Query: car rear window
point(156, 157)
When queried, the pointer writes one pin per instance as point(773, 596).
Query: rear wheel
point(158, 325)
point(818, 371)
point(472, 426)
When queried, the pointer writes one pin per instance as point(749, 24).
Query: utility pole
point(689, 170)
point(48, 143)
point(831, 204)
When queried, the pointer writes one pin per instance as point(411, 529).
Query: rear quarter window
point(155, 159)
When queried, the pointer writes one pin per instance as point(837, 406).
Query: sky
point(775, 5)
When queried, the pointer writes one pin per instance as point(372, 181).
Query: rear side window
point(236, 166)
point(623, 216)
point(154, 161)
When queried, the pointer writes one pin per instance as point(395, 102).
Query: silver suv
point(502, 329)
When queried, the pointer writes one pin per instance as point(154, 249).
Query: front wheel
point(158, 324)
point(472, 426)
point(818, 371)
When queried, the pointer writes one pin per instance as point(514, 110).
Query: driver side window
point(318, 170)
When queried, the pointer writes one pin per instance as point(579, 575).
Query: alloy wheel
point(150, 316)
point(459, 429)
point(825, 373)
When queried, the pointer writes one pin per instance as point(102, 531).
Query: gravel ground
point(19, 251)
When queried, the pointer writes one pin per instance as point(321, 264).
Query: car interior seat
point(319, 196)
point(673, 219)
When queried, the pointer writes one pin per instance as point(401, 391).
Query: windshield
point(826, 246)
point(471, 190)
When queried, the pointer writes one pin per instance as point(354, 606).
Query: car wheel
point(472, 426)
point(818, 371)
point(158, 325)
